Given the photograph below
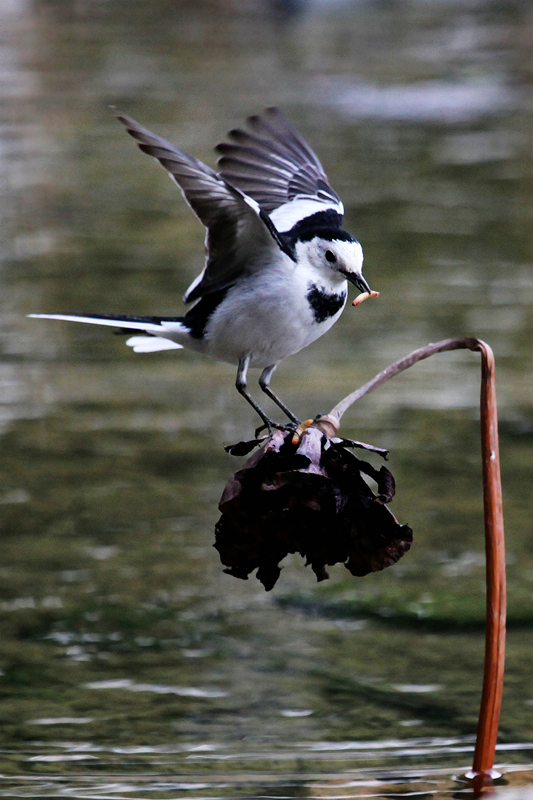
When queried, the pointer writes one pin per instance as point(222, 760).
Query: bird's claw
point(275, 426)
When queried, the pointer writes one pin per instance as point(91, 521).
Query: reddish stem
point(491, 697)
point(482, 773)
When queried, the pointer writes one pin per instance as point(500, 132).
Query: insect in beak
point(363, 296)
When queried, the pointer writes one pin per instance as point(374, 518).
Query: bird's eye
point(331, 257)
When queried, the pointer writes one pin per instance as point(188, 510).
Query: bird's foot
point(243, 448)
point(275, 426)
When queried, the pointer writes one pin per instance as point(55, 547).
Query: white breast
point(267, 317)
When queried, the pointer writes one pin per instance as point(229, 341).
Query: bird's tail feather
point(157, 330)
point(151, 344)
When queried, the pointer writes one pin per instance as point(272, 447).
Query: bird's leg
point(264, 382)
point(240, 385)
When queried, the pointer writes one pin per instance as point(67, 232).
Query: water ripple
point(132, 686)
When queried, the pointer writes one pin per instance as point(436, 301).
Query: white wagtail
point(277, 261)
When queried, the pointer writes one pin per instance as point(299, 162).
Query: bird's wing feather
point(273, 164)
point(237, 234)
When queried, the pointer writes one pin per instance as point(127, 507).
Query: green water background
point(112, 463)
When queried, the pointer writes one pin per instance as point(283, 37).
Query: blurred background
point(123, 647)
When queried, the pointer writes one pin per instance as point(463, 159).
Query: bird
point(277, 262)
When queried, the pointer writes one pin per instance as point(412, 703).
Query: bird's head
point(335, 255)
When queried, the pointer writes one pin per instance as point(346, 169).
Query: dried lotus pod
point(308, 498)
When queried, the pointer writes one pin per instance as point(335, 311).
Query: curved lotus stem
point(482, 772)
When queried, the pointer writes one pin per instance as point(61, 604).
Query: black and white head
point(334, 254)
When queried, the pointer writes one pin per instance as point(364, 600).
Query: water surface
point(131, 665)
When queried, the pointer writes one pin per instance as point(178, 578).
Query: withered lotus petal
point(351, 443)
point(241, 448)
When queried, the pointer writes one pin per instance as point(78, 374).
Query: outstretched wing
point(238, 231)
point(275, 166)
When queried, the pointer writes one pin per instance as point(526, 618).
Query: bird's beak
point(359, 282)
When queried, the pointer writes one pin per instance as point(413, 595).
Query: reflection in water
point(112, 464)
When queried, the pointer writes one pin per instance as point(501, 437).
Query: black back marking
point(322, 225)
point(198, 316)
point(330, 219)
